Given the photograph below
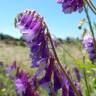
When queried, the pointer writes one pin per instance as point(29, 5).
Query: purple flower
point(21, 82)
point(45, 82)
point(11, 70)
point(57, 80)
point(69, 6)
point(68, 91)
point(20, 88)
point(24, 85)
point(88, 44)
point(71, 92)
point(77, 73)
point(32, 28)
point(60, 1)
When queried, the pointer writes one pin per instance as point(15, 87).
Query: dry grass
point(9, 53)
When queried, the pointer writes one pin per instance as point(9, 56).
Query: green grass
point(9, 53)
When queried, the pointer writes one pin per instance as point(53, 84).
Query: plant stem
point(71, 83)
point(85, 78)
point(89, 22)
point(92, 32)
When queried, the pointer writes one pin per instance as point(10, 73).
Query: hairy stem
point(91, 29)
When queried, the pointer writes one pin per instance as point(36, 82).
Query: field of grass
point(9, 53)
point(66, 52)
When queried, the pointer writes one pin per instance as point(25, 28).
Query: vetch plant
point(88, 44)
point(69, 6)
point(36, 34)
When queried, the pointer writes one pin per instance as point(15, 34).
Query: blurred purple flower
point(88, 44)
point(77, 84)
point(68, 91)
point(77, 74)
point(45, 82)
point(71, 92)
point(11, 70)
point(65, 91)
point(21, 82)
point(69, 6)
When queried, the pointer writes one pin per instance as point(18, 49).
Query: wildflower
point(24, 86)
point(20, 88)
point(45, 82)
point(77, 73)
point(88, 44)
point(11, 70)
point(57, 80)
point(69, 6)
point(68, 91)
point(77, 84)
point(33, 30)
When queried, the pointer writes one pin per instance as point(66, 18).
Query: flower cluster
point(32, 27)
point(21, 80)
point(48, 75)
point(88, 44)
point(69, 6)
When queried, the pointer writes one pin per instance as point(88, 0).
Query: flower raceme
point(88, 44)
point(69, 6)
point(21, 80)
point(32, 27)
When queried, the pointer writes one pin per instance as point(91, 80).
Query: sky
point(60, 25)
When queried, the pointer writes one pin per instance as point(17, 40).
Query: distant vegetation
point(14, 41)
point(11, 40)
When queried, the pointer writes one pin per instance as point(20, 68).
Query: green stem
point(89, 22)
point(92, 7)
point(85, 78)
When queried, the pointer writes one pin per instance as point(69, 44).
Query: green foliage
point(87, 65)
